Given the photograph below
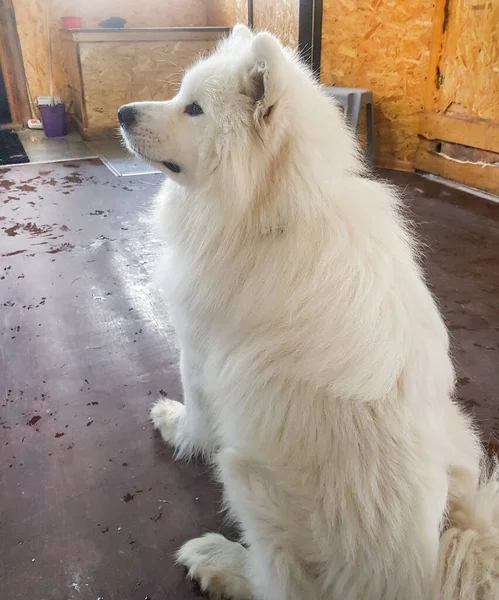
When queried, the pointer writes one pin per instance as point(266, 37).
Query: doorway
point(14, 102)
point(5, 116)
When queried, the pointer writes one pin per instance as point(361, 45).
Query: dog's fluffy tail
point(469, 548)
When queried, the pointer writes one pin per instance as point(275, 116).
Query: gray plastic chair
point(353, 100)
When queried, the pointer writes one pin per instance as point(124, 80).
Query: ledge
point(145, 34)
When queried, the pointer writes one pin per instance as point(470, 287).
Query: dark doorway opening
point(14, 101)
point(5, 115)
point(310, 34)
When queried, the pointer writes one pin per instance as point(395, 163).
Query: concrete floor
point(91, 503)
point(41, 149)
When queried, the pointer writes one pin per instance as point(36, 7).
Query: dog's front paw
point(218, 565)
point(166, 416)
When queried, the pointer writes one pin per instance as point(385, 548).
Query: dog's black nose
point(127, 115)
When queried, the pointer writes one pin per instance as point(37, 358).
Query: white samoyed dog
point(314, 361)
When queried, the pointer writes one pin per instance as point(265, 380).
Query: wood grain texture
point(394, 164)
point(462, 93)
point(436, 49)
point(277, 16)
point(460, 130)
point(469, 67)
point(116, 73)
point(11, 63)
point(280, 17)
point(383, 46)
point(227, 12)
point(472, 173)
point(75, 83)
point(467, 154)
point(35, 17)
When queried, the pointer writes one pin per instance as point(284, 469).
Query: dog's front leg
point(270, 568)
point(188, 426)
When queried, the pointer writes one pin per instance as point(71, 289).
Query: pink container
point(72, 22)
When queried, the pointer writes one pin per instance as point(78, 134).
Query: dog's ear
point(263, 82)
point(241, 33)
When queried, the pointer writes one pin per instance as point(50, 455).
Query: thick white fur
point(315, 363)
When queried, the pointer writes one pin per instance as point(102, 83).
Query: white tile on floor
point(41, 149)
point(118, 160)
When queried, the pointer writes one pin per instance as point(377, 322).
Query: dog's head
point(225, 102)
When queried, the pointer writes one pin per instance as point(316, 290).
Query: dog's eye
point(193, 109)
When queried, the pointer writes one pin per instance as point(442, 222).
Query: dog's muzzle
point(127, 116)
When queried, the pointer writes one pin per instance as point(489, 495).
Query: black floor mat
point(11, 149)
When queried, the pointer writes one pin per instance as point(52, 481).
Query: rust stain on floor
point(88, 491)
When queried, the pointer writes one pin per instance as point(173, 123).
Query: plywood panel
point(11, 64)
point(279, 17)
point(35, 17)
point(33, 34)
point(382, 45)
point(462, 109)
point(114, 74)
point(469, 67)
point(227, 12)
point(474, 173)
point(476, 133)
point(75, 82)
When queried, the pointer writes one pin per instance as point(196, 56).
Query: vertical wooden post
point(12, 65)
point(440, 20)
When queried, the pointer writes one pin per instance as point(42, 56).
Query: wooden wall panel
point(469, 65)
point(33, 35)
point(457, 129)
point(280, 17)
point(117, 73)
point(12, 66)
point(382, 45)
point(460, 128)
point(75, 81)
point(34, 17)
point(460, 163)
point(227, 12)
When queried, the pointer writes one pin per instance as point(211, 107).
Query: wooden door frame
point(11, 62)
point(250, 14)
point(310, 33)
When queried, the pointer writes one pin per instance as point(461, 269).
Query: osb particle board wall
point(227, 12)
point(382, 45)
point(469, 65)
point(460, 126)
point(34, 17)
point(113, 74)
point(278, 16)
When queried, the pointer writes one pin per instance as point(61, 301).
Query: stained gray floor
point(118, 160)
point(92, 504)
point(41, 149)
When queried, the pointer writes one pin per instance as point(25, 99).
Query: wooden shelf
point(111, 67)
point(145, 34)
